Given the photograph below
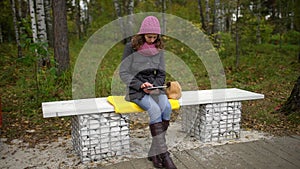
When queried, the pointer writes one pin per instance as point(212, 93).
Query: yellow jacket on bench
point(123, 106)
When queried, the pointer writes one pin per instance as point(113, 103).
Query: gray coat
point(137, 69)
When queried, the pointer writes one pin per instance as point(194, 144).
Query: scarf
point(148, 49)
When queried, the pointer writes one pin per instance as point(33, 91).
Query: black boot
point(154, 157)
point(166, 159)
point(157, 133)
point(166, 124)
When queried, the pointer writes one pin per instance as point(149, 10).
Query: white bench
point(98, 132)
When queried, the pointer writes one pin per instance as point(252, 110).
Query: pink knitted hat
point(150, 25)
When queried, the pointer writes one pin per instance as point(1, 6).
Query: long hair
point(138, 40)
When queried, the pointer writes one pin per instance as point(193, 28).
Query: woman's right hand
point(145, 85)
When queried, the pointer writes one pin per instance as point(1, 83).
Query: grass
point(267, 68)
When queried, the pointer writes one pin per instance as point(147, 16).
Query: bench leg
point(102, 135)
point(212, 122)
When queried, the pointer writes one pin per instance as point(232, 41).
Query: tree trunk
point(42, 32)
point(237, 39)
point(228, 20)
point(1, 36)
point(201, 15)
point(20, 15)
point(130, 20)
point(292, 21)
point(61, 48)
point(297, 15)
point(297, 21)
point(27, 11)
point(207, 10)
point(292, 105)
point(33, 20)
point(118, 8)
point(0, 113)
point(164, 8)
point(258, 33)
point(130, 7)
point(41, 24)
point(49, 22)
point(217, 23)
point(86, 20)
point(13, 7)
point(78, 16)
point(120, 20)
point(292, 14)
point(222, 18)
point(20, 9)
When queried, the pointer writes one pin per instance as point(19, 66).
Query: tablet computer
point(156, 87)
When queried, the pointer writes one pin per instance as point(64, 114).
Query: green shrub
point(227, 48)
point(292, 37)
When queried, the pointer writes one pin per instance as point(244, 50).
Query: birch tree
point(130, 19)
point(117, 6)
point(78, 18)
point(207, 13)
point(86, 20)
point(61, 48)
point(20, 9)
point(292, 15)
point(41, 23)
point(49, 25)
point(118, 10)
point(33, 21)
point(130, 7)
point(16, 27)
point(237, 38)
point(217, 23)
point(229, 9)
point(125, 26)
point(258, 16)
point(20, 15)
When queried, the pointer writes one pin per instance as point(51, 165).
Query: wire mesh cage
point(98, 136)
point(212, 122)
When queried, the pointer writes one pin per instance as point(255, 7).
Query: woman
point(143, 66)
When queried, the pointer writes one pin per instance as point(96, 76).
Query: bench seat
point(101, 105)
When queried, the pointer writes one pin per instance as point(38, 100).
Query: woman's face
point(150, 38)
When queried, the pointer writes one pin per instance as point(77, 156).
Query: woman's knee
point(167, 108)
point(166, 114)
point(154, 113)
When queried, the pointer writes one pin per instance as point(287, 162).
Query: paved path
point(281, 153)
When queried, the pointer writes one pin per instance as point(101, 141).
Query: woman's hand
point(145, 85)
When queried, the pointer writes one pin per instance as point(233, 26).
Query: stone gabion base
point(212, 122)
point(98, 136)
